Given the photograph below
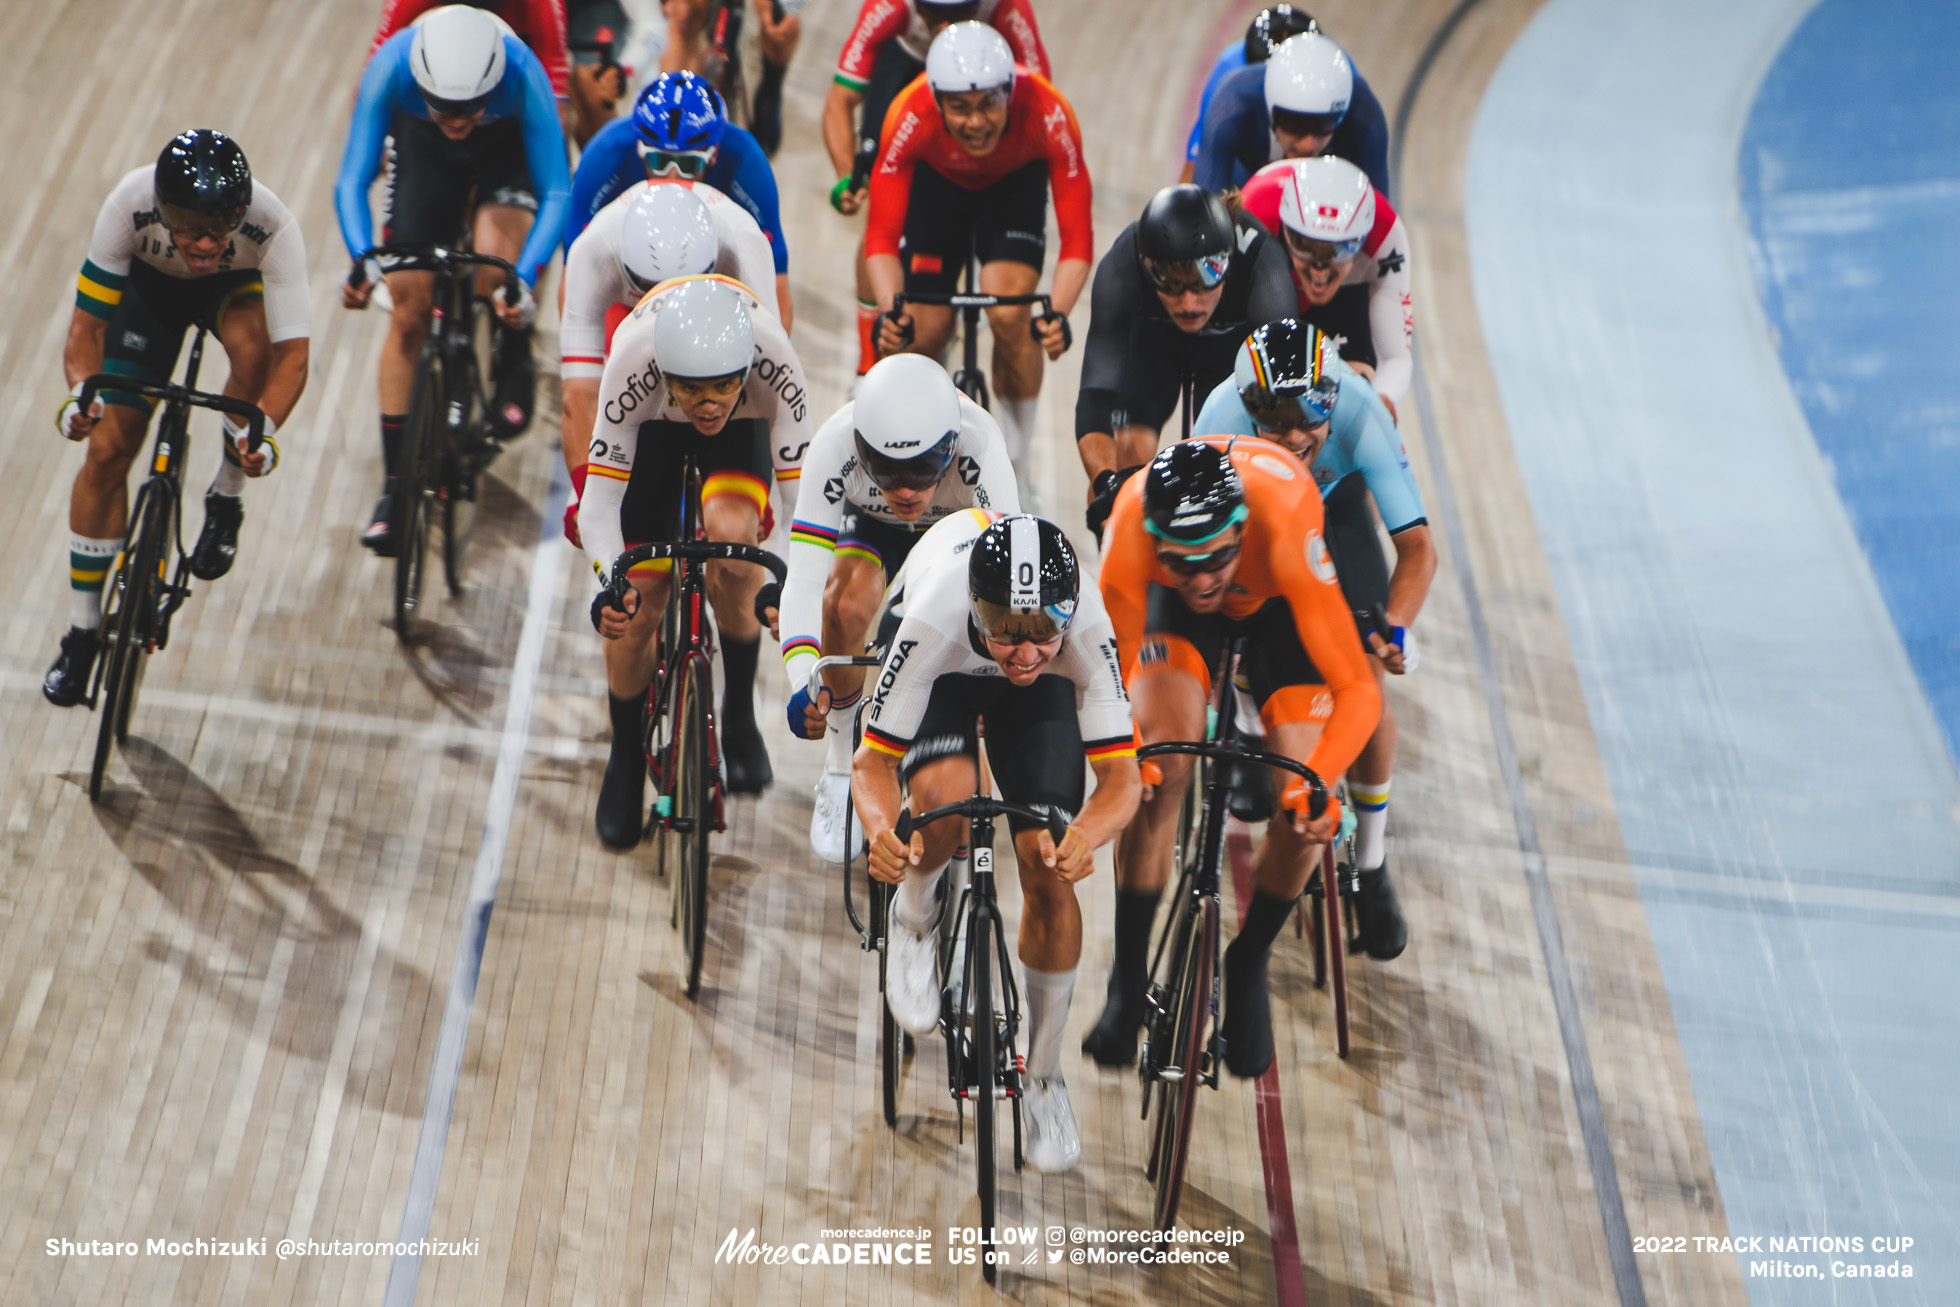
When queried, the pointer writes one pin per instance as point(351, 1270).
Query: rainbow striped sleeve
point(809, 533)
point(883, 743)
point(801, 644)
point(98, 291)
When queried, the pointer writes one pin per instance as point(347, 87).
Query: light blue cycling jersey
point(1230, 60)
point(1360, 438)
point(388, 88)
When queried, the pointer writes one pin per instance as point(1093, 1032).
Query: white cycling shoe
point(911, 978)
point(1054, 1144)
point(827, 817)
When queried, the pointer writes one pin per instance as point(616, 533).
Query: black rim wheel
point(692, 805)
point(1177, 1104)
point(415, 491)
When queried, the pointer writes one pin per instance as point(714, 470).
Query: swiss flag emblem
point(1330, 211)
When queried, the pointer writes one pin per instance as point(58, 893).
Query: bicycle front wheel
point(416, 489)
point(985, 1069)
point(891, 1040)
point(691, 815)
point(465, 452)
point(1178, 1101)
point(131, 611)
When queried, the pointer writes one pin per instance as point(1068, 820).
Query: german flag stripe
point(884, 743)
point(1121, 747)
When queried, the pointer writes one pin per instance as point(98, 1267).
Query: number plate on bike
point(983, 861)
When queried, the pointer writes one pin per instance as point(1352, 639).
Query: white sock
point(230, 479)
point(1017, 425)
point(837, 740)
point(89, 561)
point(914, 903)
point(1048, 999)
point(1371, 823)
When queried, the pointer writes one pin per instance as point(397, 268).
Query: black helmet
point(1022, 581)
point(1185, 239)
point(1285, 376)
point(203, 183)
point(1191, 493)
point(1272, 25)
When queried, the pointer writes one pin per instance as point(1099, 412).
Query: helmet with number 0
point(680, 112)
point(969, 57)
point(1192, 493)
point(702, 332)
point(457, 58)
point(1273, 25)
point(203, 183)
point(1286, 376)
point(666, 233)
point(1326, 208)
point(906, 422)
point(1185, 239)
point(1309, 82)
point(1022, 581)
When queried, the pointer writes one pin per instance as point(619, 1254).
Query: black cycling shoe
point(1252, 792)
point(1112, 1041)
point(744, 758)
point(380, 535)
point(1248, 1024)
point(517, 387)
point(217, 543)
point(1384, 932)
point(622, 814)
point(66, 683)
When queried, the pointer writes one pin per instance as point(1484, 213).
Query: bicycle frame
point(970, 379)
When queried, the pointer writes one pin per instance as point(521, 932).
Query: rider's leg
point(932, 329)
point(942, 780)
point(1017, 356)
point(850, 600)
point(731, 511)
point(629, 671)
point(1368, 784)
point(500, 230)
point(413, 293)
point(248, 346)
point(867, 314)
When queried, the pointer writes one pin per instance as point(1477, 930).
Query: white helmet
point(906, 421)
point(969, 57)
point(666, 233)
point(457, 56)
point(1309, 75)
point(703, 330)
point(1327, 200)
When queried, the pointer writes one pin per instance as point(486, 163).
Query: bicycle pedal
point(681, 825)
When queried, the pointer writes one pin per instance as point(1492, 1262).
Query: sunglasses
point(692, 164)
point(1185, 276)
point(1294, 123)
point(1198, 564)
point(697, 390)
point(202, 227)
point(1322, 252)
point(1018, 638)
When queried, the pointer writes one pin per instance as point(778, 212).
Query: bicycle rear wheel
point(416, 489)
point(1178, 1102)
point(980, 997)
point(464, 455)
point(691, 817)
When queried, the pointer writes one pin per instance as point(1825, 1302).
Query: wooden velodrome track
point(221, 988)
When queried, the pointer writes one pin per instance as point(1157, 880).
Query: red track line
point(1288, 1281)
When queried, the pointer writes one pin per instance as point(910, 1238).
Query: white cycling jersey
point(595, 279)
point(936, 639)
point(836, 485)
point(129, 228)
point(632, 391)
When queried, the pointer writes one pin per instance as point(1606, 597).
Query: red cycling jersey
point(880, 21)
point(539, 24)
point(1040, 126)
point(1282, 554)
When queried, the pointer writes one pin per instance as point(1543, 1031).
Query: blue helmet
point(680, 111)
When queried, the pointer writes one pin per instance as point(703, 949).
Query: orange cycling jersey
point(1282, 555)
point(1040, 126)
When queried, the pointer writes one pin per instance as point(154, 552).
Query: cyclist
point(1303, 101)
point(689, 374)
point(998, 624)
point(469, 109)
point(885, 52)
point(539, 24)
point(1220, 538)
point(907, 452)
point(1289, 386)
point(190, 240)
point(967, 158)
point(598, 80)
point(679, 131)
point(1350, 257)
point(1268, 28)
point(637, 242)
point(1174, 296)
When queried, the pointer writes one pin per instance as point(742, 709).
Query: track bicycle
point(143, 593)
point(969, 378)
point(979, 1019)
point(682, 748)
point(1184, 1043)
point(446, 442)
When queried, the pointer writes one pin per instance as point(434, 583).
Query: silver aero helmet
point(457, 57)
point(1309, 82)
point(666, 233)
point(969, 56)
point(701, 332)
point(906, 422)
point(1326, 208)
